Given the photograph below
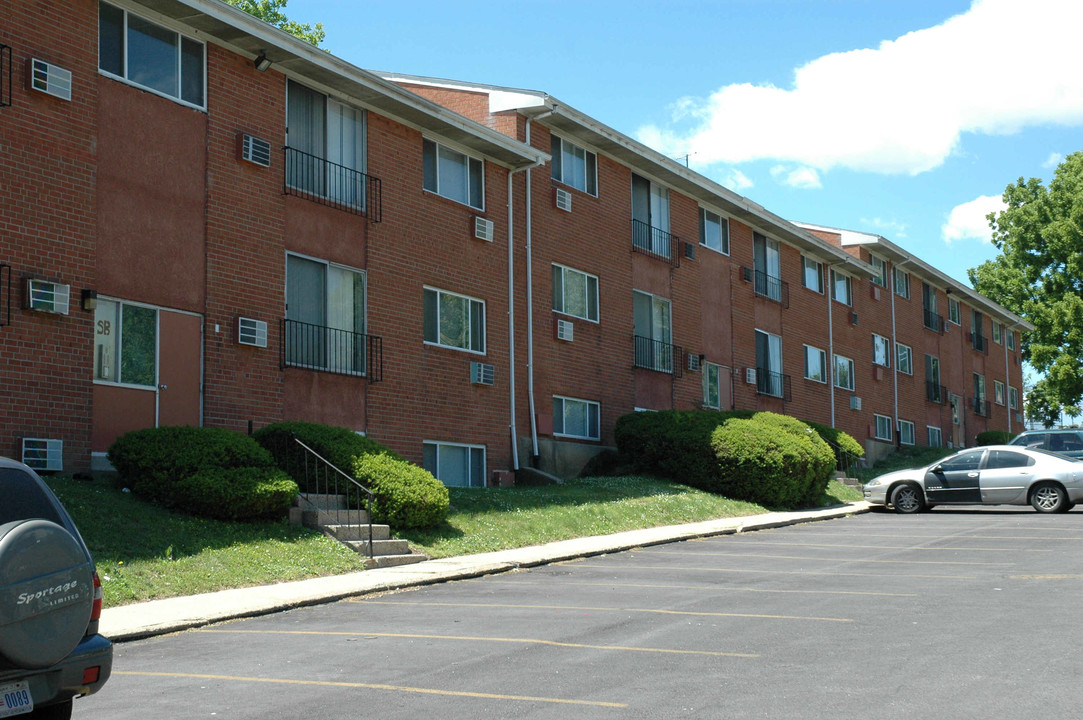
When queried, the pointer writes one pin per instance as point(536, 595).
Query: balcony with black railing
point(327, 183)
point(656, 243)
point(933, 321)
point(326, 349)
point(768, 286)
point(659, 356)
point(934, 392)
point(982, 407)
point(773, 384)
point(980, 342)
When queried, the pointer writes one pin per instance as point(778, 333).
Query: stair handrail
point(327, 487)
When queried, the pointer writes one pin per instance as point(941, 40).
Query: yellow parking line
point(703, 587)
point(800, 557)
point(657, 611)
point(373, 686)
point(779, 572)
point(746, 541)
point(472, 638)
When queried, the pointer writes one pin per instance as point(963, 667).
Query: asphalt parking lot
point(953, 613)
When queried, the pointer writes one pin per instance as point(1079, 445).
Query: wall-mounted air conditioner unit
point(43, 455)
point(690, 251)
point(564, 200)
point(693, 362)
point(874, 291)
point(750, 376)
point(255, 150)
point(481, 373)
point(855, 402)
point(50, 79)
point(565, 330)
point(853, 318)
point(47, 296)
point(483, 229)
point(251, 332)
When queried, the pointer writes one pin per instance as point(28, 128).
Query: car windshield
point(23, 499)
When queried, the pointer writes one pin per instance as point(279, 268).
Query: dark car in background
point(50, 603)
point(1065, 442)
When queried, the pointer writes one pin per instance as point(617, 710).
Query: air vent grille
point(481, 373)
point(483, 229)
point(50, 79)
point(43, 455)
point(251, 332)
point(256, 150)
point(47, 296)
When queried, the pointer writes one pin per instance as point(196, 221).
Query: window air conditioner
point(255, 150)
point(481, 373)
point(50, 79)
point(43, 455)
point(693, 362)
point(565, 330)
point(750, 375)
point(251, 332)
point(564, 200)
point(483, 229)
point(855, 402)
point(47, 296)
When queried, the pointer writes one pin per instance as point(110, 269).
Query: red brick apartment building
point(206, 221)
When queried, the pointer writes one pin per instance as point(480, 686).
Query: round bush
point(338, 445)
point(237, 493)
point(994, 437)
point(405, 496)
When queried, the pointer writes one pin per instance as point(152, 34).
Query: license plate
point(15, 699)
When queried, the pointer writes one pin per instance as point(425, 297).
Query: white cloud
point(891, 229)
point(900, 108)
point(736, 180)
point(1053, 161)
point(969, 219)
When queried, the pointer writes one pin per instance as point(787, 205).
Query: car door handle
point(972, 474)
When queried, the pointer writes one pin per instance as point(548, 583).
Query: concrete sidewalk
point(157, 617)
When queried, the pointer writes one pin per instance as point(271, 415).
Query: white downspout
point(830, 340)
point(1007, 374)
point(895, 375)
point(530, 306)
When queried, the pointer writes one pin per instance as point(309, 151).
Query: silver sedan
point(993, 475)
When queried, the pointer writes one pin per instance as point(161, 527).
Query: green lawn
point(144, 552)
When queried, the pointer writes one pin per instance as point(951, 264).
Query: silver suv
point(1065, 442)
point(50, 603)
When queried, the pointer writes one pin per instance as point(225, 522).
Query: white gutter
point(830, 340)
point(530, 305)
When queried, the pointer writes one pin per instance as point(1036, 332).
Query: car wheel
point(1049, 497)
point(60, 711)
point(907, 498)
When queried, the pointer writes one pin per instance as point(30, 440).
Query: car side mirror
point(938, 469)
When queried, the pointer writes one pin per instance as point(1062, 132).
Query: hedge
point(405, 495)
point(994, 437)
point(842, 444)
point(248, 493)
point(338, 445)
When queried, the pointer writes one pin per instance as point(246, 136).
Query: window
point(125, 343)
point(1011, 339)
point(997, 330)
point(769, 377)
point(840, 288)
point(906, 432)
point(881, 353)
point(930, 317)
point(902, 282)
point(768, 267)
point(815, 364)
point(812, 274)
point(1007, 459)
point(326, 146)
point(883, 427)
point(880, 266)
point(150, 56)
point(977, 328)
point(963, 462)
point(456, 465)
point(998, 392)
point(953, 311)
point(572, 165)
point(650, 216)
point(653, 333)
point(325, 316)
point(575, 293)
point(844, 373)
point(453, 175)
point(712, 398)
point(904, 358)
point(933, 391)
point(576, 418)
point(935, 437)
point(1013, 398)
point(979, 392)
point(454, 321)
point(714, 231)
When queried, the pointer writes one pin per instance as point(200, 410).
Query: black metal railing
point(933, 321)
point(767, 286)
point(844, 459)
point(935, 392)
point(327, 183)
point(773, 383)
point(317, 347)
point(326, 489)
point(982, 407)
point(980, 342)
point(656, 242)
point(659, 356)
point(5, 75)
point(5, 294)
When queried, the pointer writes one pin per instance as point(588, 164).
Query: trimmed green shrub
point(405, 495)
point(842, 444)
point(247, 493)
point(338, 445)
point(994, 437)
point(152, 461)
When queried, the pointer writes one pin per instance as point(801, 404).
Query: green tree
point(1039, 276)
point(270, 11)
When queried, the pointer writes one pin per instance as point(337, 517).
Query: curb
point(159, 617)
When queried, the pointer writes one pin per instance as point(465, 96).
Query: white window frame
point(882, 427)
point(839, 363)
point(770, 265)
point(880, 277)
point(906, 351)
point(659, 332)
point(561, 173)
point(342, 141)
point(998, 392)
point(339, 348)
point(885, 345)
point(935, 435)
point(593, 420)
point(998, 331)
point(471, 303)
point(560, 304)
point(954, 311)
point(842, 281)
point(109, 323)
point(906, 432)
point(1013, 398)
point(711, 379)
point(776, 385)
point(431, 181)
point(126, 70)
point(900, 282)
point(723, 234)
point(809, 265)
point(821, 360)
point(1011, 339)
point(470, 455)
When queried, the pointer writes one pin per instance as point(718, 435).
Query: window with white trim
point(712, 397)
point(454, 321)
point(575, 166)
point(650, 216)
point(844, 372)
point(151, 56)
point(881, 350)
point(325, 316)
point(575, 293)
point(812, 274)
point(767, 264)
point(714, 231)
point(883, 427)
point(1011, 340)
point(901, 282)
point(815, 364)
point(998, 329)
point(841, 288)
point(652, 318)
point(770, 379)
point(455, 464)
point(998, 392)
point(575, 418)
point(326, 141)
point(936, 438)
point(452, 174)
point(125, 343)
point(904, 358)
point(1013, 398)
point(880, 266)
point(906, 432)
point(953, 311)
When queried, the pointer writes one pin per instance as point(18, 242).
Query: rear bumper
point(65, 680)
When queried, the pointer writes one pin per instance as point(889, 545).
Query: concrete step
point(393, 560)
point(319, 518)
point(307, 501)
point(357, 532)
point(379, 547)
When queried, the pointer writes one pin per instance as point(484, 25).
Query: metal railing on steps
point(325, 485)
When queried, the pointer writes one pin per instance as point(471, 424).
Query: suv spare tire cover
point(46, 593)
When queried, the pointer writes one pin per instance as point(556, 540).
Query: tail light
point(96, 609)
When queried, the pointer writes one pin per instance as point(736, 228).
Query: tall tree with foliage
point(270, 11)
point(1039, 276)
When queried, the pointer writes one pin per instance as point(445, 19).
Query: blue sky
point(902, 118)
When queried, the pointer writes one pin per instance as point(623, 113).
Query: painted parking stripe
point(712, 588)
point(471, 638)
point(372, 686)
point(684, 568)
point(937, 536)
point(1046, 577)
point(750, 541)
point(656, 611)
point(828, 559)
